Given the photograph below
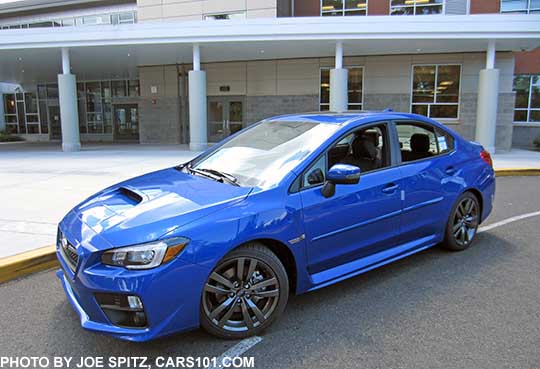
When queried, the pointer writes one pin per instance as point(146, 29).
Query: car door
point(359, 219)
point(431, 181)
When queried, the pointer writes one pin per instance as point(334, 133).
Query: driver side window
point(366, 148)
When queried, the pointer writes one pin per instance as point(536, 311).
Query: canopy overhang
point(30, 55)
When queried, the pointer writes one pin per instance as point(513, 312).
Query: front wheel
point(245, 293)
point(463, 223)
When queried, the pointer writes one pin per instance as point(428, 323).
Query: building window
point(527, 108)
point(225, 16)
point(435, 90)
point(22, 113)
point(520, 6)
point(416, 7)
point(113, 18)
point(355, 86)
point(343, 7)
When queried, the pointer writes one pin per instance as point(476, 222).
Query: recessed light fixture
point(261, 51)
point(22, 70)
point(19, 58)
point(129, 54)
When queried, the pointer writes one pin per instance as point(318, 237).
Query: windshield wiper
point(226, 176)
point(214, 175)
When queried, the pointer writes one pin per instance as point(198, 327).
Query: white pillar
point(2, 121)
point(69, 115)
point(488, 97)
point(339, 83)
point(198, 139)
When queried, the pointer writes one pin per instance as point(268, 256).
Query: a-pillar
point(488, 97)
point(338, 83)
point(198, 139)
point(69, 115)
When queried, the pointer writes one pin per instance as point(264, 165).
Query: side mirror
point(340, 174)
point(315, 177)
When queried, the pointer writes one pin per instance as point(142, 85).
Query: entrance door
point(225, 117)
point(55, 131)
point(126, 122)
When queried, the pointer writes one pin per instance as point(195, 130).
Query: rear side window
point(445, 141)
point(420, 140)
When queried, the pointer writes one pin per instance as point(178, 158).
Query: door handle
point(390, 188)
point(450, 170)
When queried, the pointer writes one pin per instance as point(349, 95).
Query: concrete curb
point(514, 172)
point(26, 263)
point(29, 262)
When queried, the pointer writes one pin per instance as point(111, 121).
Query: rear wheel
point(463, 223)
point(245, 293)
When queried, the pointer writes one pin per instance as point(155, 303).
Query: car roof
point(348, 117)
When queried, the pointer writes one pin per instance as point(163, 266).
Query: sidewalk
point(517, 159)
point(39, 184)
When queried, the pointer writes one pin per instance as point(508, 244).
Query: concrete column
point(2, 121)
point(69, 115)
point(488, 97)
point(339, 83)
point(198, 139)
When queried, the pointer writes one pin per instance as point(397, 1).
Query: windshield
point(263, 155)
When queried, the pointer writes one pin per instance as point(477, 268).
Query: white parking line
point(237, 350)
point(244, 345)
point(509, 220)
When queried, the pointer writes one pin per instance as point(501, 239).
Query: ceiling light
point(129, 54)
point(328, 7)
point(261, 51)
point(19, 58)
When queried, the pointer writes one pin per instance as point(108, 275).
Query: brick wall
point(528, 62)
point(378, 7)
point(307, 8)
point(485, 6)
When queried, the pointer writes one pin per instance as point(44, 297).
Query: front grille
point(70, 254)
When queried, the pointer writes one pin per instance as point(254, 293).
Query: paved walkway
point(39, 184)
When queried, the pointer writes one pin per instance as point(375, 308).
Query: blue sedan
point(289, 205)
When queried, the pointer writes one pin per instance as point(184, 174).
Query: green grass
point(6, 137)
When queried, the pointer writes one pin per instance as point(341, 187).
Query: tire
point(462, 224)
point(232, 307)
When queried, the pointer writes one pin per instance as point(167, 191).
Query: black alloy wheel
point(463, 223)
point(245, 293)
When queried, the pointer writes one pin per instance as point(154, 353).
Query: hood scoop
point(131, 195)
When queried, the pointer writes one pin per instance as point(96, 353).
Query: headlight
point(145, 256)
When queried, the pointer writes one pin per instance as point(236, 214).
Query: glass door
point(55, 131)
point(225, 117)
point(126, 123)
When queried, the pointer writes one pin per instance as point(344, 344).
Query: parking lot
point(436, 309)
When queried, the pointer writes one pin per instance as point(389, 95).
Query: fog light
point(135, 303)
point(139, 319)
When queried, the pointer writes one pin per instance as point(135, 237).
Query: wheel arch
point(478, 196)
point(283, 253)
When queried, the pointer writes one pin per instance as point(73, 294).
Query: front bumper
point(170, 294)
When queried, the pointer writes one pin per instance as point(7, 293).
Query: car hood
point(145, 208)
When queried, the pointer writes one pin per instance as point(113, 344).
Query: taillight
point(486, 157)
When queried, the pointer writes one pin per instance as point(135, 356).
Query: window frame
point(360, 104)
point(437, 65)
point(414, 6)
point(526, 10)
point(424, 125)
point(528, 109)
point(388, 124)
point(343, 10)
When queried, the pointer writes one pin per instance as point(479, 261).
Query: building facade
point(178, 71)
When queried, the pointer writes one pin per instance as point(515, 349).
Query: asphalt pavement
point(436, 309)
